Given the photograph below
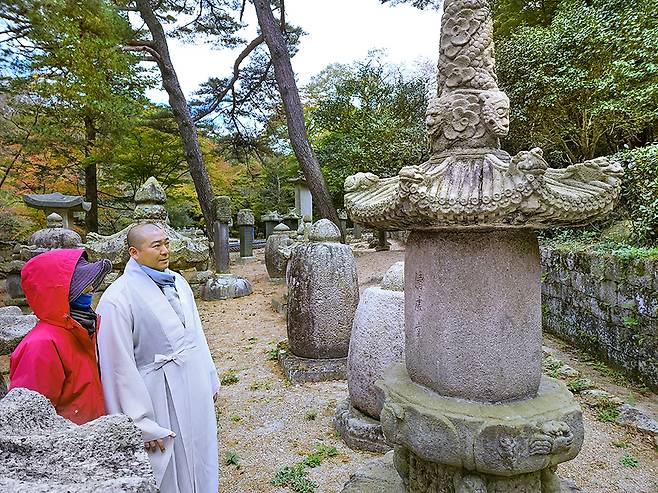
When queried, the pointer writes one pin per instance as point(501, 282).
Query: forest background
point(582, 77)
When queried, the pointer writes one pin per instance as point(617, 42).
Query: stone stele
point(43, 452)
point(377, 342)
point(185, 252)
point(469, 411)
point(323, 294)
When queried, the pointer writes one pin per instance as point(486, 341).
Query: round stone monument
point(323, 294)
point(469, 410)
point(276, 260)
point(55, 235)
point(376, 343)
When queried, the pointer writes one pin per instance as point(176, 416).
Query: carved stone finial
point(246, 217)
point(54, 220)
point(280, 229)
point(324, 230)
point(222, 207)
point(150, 199)
point(394, 278)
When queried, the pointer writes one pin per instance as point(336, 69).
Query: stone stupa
point(185, 252)
point(469, 410)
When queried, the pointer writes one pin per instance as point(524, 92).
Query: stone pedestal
point(376, 343)
point(342, 217)
point(477, 296)
point(246, 226)
point(270, 220)
point(322, 296)
point(275, 260)
point(303, 199)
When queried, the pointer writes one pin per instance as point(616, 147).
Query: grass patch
point(230, 377)
point(321, 452)
point(235, 418)
point(579, 385)
point(608, 412)
point(264, 385)
point(296, 478)
point(231, 459)
point(629, 461)
point(620, 444)
point(311, 415)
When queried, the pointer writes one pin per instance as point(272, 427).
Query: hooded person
point(57, 358)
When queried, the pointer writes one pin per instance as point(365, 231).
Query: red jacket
point(57, 358)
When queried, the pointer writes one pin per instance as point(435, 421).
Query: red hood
point(46, 280)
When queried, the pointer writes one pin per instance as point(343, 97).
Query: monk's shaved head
point(140, 233)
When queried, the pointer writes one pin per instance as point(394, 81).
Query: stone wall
point(606, 305)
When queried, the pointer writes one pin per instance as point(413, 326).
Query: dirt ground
point(269, 423)
point(265, 420)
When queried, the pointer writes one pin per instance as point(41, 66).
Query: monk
point(156, 366)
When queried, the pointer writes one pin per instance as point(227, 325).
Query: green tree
point(372, 121)
point(64, 71)
point(586, 84)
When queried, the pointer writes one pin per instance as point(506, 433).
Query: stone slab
point(245, 260)
point(13, 327)
point(225, 287)
point(359, 431)
point(379, 476)
point(299, 370)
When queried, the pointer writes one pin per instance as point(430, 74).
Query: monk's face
point(151, 249)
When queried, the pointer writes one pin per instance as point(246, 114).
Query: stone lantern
point(469, 410)
point(270, 220)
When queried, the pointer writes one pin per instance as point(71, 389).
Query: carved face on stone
point(495, 112)
point(434, 117)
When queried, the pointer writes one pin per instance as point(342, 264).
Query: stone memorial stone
point(270, 220)
point(13, 327)
point(43, 452)
point(12, 272)
point(246, 223)
point(322, 297)
point(376, 343)
point(358, 231)
point(303, 199)
point(184, 252)
point(276, 261)
point(382, 245)
point(468, 410)
point(223, 285)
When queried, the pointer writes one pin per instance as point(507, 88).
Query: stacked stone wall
point(606, 305)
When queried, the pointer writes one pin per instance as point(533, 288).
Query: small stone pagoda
point(185, 252)
point(469, 410)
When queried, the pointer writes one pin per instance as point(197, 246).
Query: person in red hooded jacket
point(57, 358)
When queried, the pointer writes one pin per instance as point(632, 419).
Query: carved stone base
point(225, 287)
point(358, 430)
point(501, 439)
point(298, 370)
point(379, 476)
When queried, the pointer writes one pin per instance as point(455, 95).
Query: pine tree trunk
point(91, 179)
point(294, 110)
point(181, 114)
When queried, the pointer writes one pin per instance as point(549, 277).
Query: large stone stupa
point(469, 410)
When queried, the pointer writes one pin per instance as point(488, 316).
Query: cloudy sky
point(339, 31)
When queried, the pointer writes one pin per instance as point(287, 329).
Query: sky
point(338, 31)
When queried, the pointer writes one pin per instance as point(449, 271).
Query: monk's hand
point(153, 445)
